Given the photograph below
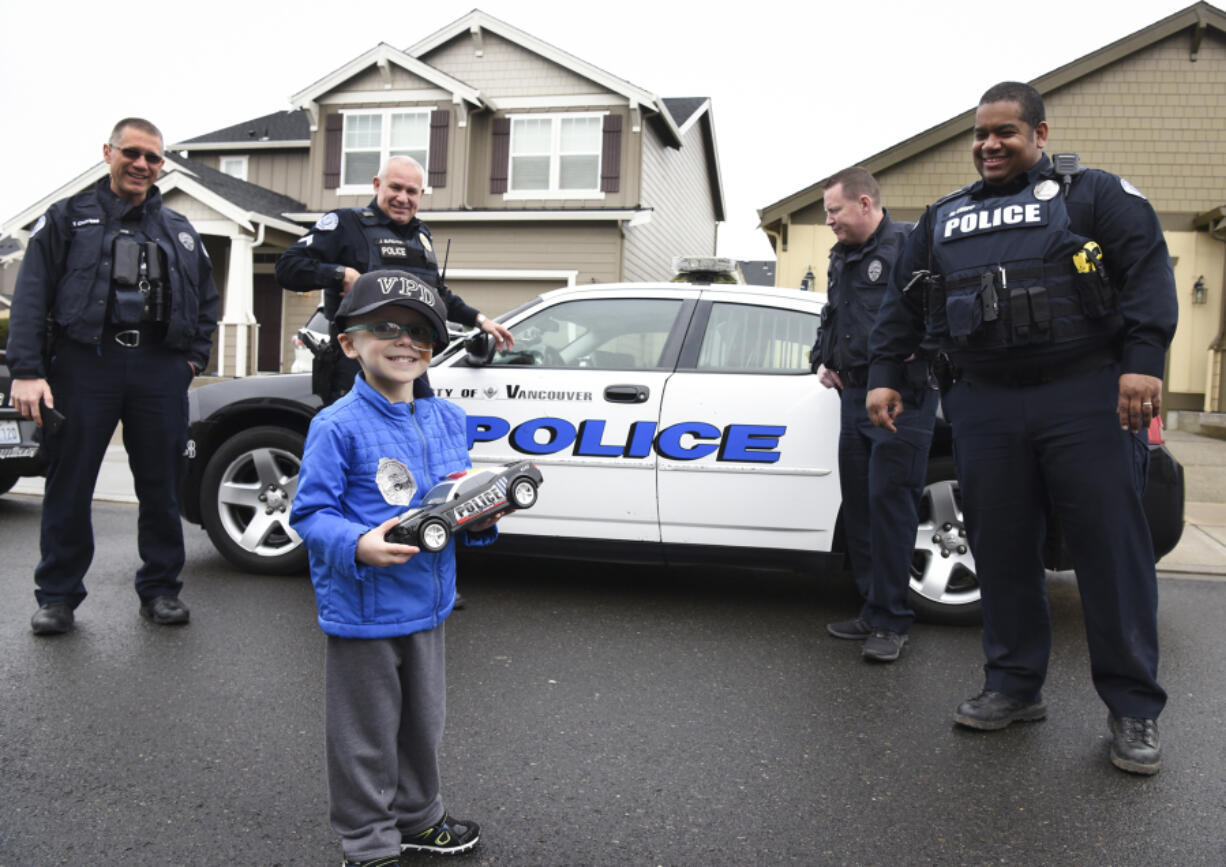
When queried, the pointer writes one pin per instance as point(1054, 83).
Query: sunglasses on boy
point(134, 154)
point(418, 333)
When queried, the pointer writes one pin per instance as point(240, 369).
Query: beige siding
point(676, 187)
point(284, 171)
point(191, 208)
point(372, 79)
point(506, 69)
point(495, 297)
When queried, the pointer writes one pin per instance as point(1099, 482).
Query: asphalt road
point(597, 716)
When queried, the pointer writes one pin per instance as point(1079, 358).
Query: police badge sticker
point(395, 482)
point(327, 222)
point(425, 241)
point(1046, 190)
point(1131, 190)
point(188, 242)
point(874, 270)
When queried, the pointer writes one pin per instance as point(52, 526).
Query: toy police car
point(465, 498)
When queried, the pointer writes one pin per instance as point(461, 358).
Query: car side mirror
point(480, 349)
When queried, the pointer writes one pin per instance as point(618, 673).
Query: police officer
point(881, 475)
point(1053, 295)
point(113, 314)
point(348, 242)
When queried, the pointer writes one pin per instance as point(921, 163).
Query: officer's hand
point(27, 393)
point(351, 277)
point(502, 337)
point(374, 550)
point(1140, 400)
point(884, 405)
point(485, 523)
point(828, 377)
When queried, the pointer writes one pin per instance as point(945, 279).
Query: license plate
point(9, 432)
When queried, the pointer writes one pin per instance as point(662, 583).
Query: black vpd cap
point(380, 288)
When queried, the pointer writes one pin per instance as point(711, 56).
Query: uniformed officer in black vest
point(113, 314)
point(1052, 294)
point(881, 474)
point(348, 242)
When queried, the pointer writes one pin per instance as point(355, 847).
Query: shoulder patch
point(42, 221)
point(327, 222)
point(188, 242)
point(1131, 190)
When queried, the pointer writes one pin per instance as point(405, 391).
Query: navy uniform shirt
point(1101, 206)
point(339, 239)
point(856, 282)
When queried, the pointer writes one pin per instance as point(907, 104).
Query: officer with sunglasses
point(113, 314)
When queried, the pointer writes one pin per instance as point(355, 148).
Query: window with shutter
point(370, 136)
point(554, 156)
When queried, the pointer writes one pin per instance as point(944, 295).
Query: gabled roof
point(248, 197)
point(382, 55)
point(476, 21)
point(686, 109)
point(1200, 16)
point(281, 129)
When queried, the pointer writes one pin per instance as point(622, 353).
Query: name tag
point(392, 249)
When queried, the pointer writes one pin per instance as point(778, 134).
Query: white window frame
point(242, 163)
point(385, 134)
point(553, 192)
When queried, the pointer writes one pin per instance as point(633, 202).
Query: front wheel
point(523, 493)
point(433, 535)
point(944, 587)
point(245, 497)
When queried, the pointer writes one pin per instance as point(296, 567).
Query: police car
point(677, 423)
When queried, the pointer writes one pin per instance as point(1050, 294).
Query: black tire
point(433, 535)
point(522, 493)
point(944, 584)
point(245, 497)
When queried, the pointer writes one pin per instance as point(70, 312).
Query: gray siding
point(676, 186)
point(282, 170)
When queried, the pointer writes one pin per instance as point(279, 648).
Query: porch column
point(238, 325)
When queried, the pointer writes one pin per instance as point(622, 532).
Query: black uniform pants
point(96, 387)
point(1019, 449)
point(881, 475)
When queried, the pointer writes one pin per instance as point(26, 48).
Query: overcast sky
point(799, 89)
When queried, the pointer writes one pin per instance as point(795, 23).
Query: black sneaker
point(883, 646)
point(1135, 747)
point(166, 611)
point(448, 837)
point(855, 629)
point(385, 861)
point(990, 711)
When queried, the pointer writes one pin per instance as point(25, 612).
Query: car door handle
point(627, 393)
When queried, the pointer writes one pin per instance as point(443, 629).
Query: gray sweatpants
point(385, 704)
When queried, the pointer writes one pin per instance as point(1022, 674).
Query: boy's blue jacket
point(367, 460)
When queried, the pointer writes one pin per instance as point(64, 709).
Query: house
point(543, 171)
point(1150, 107)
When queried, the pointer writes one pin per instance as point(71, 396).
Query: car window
point(597, 333)
point(754, 339)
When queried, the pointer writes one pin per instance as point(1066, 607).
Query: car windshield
point(439, 493)
point(599, 333)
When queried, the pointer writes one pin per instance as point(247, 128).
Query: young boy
point(369, 457)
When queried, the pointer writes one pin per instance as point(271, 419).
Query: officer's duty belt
point(145, 334)
point(1037, 374)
